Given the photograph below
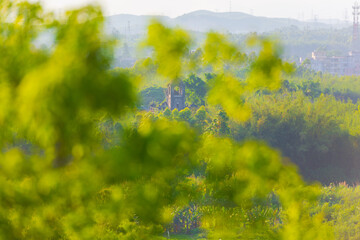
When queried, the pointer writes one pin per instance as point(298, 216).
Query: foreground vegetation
point(338, 203)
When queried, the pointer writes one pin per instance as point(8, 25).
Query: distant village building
point(341, 65)
point(175, 96)
point(337, 65)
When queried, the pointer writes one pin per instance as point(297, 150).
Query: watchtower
point(175, 96)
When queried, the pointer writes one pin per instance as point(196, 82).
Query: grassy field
point(188, 237)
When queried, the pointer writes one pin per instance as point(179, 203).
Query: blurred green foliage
point(170, 46)
point(71, 179)
point(340, 206)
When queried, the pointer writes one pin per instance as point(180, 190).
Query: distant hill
point(204, 21)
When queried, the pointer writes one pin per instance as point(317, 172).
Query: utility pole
point(346, 16)
point(356, 38)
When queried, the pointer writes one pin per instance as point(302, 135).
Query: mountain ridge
point(204, 21)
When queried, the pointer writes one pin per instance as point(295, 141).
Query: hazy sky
point(300, 9)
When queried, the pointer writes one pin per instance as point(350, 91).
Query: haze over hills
point(204, 21)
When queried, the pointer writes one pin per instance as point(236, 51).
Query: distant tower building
point(356, 36)
point(175, 96)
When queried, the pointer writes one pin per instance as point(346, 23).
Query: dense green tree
point(200, 118)
point(223, 123)
point(152, 94)
point(195, 90)
point(167, 112)
point(185, 114)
